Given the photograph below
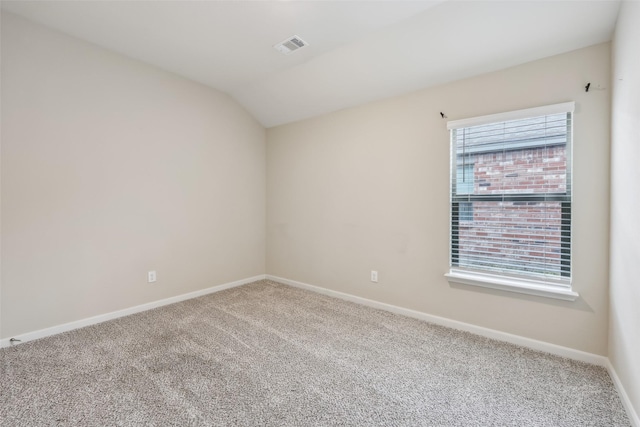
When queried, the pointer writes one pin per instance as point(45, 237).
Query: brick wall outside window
point(527, 230)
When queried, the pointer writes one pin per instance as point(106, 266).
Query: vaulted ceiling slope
point(359, 51)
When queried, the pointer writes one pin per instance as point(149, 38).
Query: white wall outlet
point(374, 276)
point(151, 276)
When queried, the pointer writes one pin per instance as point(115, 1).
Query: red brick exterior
point(527, 231)
point(520, 171)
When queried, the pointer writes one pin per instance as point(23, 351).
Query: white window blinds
point(511, 194)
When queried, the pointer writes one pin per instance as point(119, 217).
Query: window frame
point(548, 287)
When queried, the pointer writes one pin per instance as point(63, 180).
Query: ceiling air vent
point(291, 44)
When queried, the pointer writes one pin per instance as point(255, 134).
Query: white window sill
point(531, 287)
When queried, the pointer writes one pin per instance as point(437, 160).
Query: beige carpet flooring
point(266, 354)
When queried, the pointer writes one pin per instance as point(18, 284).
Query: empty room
point(292, 213)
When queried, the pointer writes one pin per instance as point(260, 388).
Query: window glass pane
point(537, 170)
point(511, 205)
point(466, 211)
point(513, 236)
point(465, 179)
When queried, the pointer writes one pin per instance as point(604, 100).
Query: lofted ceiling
point(359, 51)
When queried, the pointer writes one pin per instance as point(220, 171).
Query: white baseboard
point(626, 401)
point(558, 350)
point(30, 336)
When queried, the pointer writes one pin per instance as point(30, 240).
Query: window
point(464, 185)
point(465, 178)
point(511, 201)
point(465, 210)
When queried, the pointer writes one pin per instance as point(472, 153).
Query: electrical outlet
point(374, 276)
point(151, 276)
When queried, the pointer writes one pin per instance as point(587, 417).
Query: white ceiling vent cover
point(290, 45)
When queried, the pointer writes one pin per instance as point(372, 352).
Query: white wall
point(624, 332)
point(111, 168)
point(367, 189)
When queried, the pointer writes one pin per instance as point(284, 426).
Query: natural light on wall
point(511, 201)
